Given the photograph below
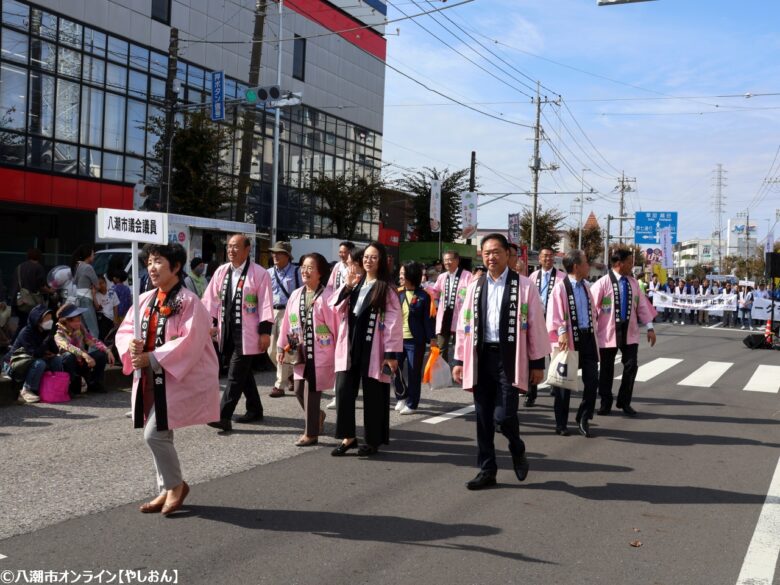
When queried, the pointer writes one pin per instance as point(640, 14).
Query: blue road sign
point(217, 95)
point(647, 224)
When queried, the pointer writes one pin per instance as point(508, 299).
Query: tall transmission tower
point(718, 208)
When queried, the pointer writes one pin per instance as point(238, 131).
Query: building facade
point(80, 80)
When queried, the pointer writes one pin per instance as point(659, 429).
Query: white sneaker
point(29, 397)
point(331, 405)
point(400, 405)
point(743, 327)
point(407, 410)
point(682, 322)
point(129, 414)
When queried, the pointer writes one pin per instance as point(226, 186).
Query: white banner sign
point(665, 243)
point(435, 211)
point(132, 226)
point(662, 300)
point(762, 308)
point(513, 230)
point(469, 221)
point(770, 242)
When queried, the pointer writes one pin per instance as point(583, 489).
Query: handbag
point(19, 363)
point(26, 300)
point(54, 387)
point(563, 369)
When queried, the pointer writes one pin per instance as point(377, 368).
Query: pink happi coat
point(388, 335)
point(641, 311)
point(326, 325)
point(460, 296)
point(187, 357)
point(530, 344)
point(558, 314)
point(559, 276)
point(253, 311)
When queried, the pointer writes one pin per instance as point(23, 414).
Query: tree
point(345, 200)
point(452, 185)
point(592, 242)
point(547, 225)
point(196, 185)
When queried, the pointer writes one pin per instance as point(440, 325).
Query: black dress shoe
point(604, 410)
point(562, 431)
point(628, 410)
point(342, 448)
point(530, 401)
point(248, 417)
point(482, 481)
point(520, 463)
point(222, 424)
point(584, 428)
point(367, 450)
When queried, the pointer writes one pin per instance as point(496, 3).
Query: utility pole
point(277, 122)
point(624, 187)
point(536, 164)
point(718, 205)
point(582, 206)
point(473, 173)
point(171, 95)
point(250, 114)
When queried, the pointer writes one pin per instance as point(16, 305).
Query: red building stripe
point(47, 190)
point(334, 20)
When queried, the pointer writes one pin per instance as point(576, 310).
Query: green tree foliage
point(548, 222)
point(452, 185)
point(592, 242)
point(197, 185)
point(345, 201)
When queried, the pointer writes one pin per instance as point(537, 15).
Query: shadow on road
point(664, 439)
point(374, 528)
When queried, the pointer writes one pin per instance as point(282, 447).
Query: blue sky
point(619, 70)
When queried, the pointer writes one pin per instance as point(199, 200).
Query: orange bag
point(428, 366)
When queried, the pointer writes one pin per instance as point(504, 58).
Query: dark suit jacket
point(420, 321)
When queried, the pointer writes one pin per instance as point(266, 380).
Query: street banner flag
point(469, 217)
point(665, 243)
point(513, 230)
point(435, 211)
point(770, 242)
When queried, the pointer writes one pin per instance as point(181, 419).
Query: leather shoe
point(521, 465)
point(584, 427)
point(248, 417)
point(151, 508)
point(482, 481)
point(276, 392)
point(530, 401)
point(342, 448)
point(170, 509)
point(222, 424)
point(628, 410)
point(367, 450)
point(562, 431)
point(604, 410)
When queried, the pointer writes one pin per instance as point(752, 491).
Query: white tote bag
point(563, 369)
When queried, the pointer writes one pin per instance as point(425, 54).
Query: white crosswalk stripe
point(652, 369)
point(706, 375)
point(764, 379)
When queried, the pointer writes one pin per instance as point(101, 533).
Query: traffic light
point(263, 93)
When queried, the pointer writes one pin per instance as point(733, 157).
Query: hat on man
point(282, 248)
point(69, 310)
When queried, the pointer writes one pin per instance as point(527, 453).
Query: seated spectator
point(106, 303)
point(33, 353)
point(83, 356)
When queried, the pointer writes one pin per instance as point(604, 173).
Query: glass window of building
point(90, 162)
point(116, 77)
point(65, 158)
point(39, 153)
point(112, 166)
point(13, 97)
point(95, 42)
point(71, 33)
point(11, 148)
point(136, 126)
point(139, 57)
point(161, 11)
point(157, 90)
point(158, 64)
point(91, 116)
point(16, 14)
point(41, 111)
point(134, 169)
point(117, 50)
point(66, 124)
point(299, 58)
point(69, 62)
point(94, 70)
point(114, 128)
point(43, 54)
point(137, 84)
point(14, 46)
point(43, 24)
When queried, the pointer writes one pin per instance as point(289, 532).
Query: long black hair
point(384, 277)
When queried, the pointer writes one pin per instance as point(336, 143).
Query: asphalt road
point(688, 479)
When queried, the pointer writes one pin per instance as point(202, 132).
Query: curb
point(114, 380)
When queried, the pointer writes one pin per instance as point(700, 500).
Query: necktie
point(545, 282)
point(623, 297)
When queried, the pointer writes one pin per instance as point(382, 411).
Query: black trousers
point(628, 356)
point(241, 380)
point(589, 364)
point(496, 402)
point(376, 407)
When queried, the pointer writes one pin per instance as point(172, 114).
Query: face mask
point(199, 270)
point(47, 326)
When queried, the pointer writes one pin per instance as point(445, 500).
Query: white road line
point(706, 375)
point(650, 370)
point(715, 326)
point(765, 379)
point(3, 557)
point(758, 568)
point(450, 415)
